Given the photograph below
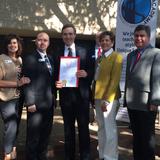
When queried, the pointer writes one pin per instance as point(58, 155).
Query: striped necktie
point(70, 52)
point(48, 64)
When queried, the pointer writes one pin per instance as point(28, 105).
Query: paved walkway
point(55, 149)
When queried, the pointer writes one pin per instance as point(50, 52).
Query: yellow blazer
point(107, 83)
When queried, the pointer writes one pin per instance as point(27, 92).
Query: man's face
point(141, 39)
point(68, 36)
point(42, 42)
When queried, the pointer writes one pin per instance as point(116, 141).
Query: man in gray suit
point(142, 93)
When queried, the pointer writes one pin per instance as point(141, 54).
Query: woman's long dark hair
point(8, 41)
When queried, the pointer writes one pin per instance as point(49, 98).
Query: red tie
point(99, 52)
point(138, 55)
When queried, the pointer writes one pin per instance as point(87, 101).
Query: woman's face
point(106, 43)
point(13, 46)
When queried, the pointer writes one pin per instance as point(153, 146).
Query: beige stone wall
point(27, 16)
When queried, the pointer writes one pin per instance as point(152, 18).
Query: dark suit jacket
point(143, 82)
point(40, 90)
point(84, 83)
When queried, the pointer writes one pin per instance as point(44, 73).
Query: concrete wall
point(27, 16)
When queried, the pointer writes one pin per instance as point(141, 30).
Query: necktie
point(99, 59)
point(69, 52)
point(99, 52)
point(138, 55)
point(48, 64)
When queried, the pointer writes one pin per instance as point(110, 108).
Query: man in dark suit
point(74, 102)
point(39, 98)
point(142, 93)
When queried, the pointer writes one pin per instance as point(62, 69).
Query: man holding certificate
point(73, 81)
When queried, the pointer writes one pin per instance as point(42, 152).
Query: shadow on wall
point(87, 16)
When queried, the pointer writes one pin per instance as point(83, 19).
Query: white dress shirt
point(73, 48)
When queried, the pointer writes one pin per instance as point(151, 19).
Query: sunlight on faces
point(42, 41)
point(13, 46)
point(141, 39)
point(68, 36)
point(106, 43)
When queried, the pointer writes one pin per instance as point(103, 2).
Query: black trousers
point(143, 128)
point(8, 111)
point(77, 110)
point(39, 125)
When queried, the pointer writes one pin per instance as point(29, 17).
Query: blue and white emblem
point(135, 11)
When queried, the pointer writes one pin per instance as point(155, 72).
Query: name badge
point(7, 61)
point(41, 60)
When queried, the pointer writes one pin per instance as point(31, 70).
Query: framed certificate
point(67, 71)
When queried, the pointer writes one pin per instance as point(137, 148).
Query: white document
point(67, 73)
point(122, 115)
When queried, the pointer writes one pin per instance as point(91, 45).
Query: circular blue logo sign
point(135, 11)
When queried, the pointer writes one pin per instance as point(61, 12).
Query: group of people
point(32, 81)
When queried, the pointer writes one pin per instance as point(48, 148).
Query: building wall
point(26, 16)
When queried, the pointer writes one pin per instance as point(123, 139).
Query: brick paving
point(55, 149)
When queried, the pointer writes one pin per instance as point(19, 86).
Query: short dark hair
point(143, 27)
point(8, 39)
point(68, 26)
point(107, 33)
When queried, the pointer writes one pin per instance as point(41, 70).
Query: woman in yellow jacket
point(10, 63)
point(107, 93)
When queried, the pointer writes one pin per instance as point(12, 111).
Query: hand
point(22, 81)
point(59, 84)
point(32, 108)
point(19, 69)
point(104, 106)
point(153, 107)
point(81, 73)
